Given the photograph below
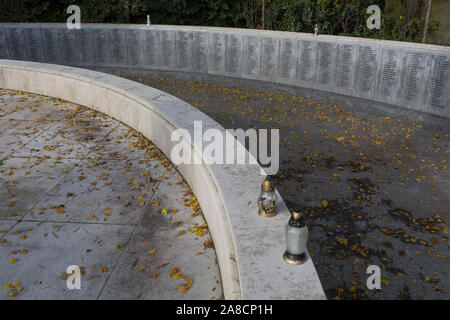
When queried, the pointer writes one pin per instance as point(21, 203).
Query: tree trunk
point(262, 14)
point(427, 21)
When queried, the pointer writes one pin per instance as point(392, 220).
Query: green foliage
point(338, 17)
point(396, 26)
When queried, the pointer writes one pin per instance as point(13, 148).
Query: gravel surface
point(375, 187)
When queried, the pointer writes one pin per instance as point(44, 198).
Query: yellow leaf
point(208, 244)
point(182, 288)
point(103, 269)
point(175, 273)
point(342, 240)
point(14, 292)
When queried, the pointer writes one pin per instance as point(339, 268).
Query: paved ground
point(79, 188)
point(375, 186)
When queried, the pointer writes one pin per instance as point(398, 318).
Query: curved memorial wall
point(331, 68)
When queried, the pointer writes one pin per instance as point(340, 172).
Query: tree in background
point(427, 20)
point(402, 20)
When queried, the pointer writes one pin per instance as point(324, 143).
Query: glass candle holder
point(296, 239)
point(267, 201)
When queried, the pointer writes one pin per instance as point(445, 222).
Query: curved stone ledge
point(381, 73)
point(248, 247)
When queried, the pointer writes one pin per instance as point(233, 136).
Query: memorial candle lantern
point(296, 239)
point(316, 29)
point(267, 201)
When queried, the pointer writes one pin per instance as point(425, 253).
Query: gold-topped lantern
point(267, 201)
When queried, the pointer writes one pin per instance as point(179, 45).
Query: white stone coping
point(249, 248)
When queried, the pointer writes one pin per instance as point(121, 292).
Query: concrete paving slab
point(75, 111)
point(152, 254)
point(12, 101)
point(121, 144)
point(25, 181)
point(114, 191)
point(49, 249)
point(180, 213)
point(68, 139)
point(43, 108)
point(5, 226)
point(16, 133)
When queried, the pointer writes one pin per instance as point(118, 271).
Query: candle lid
point(267, 186)
point(297, 219)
